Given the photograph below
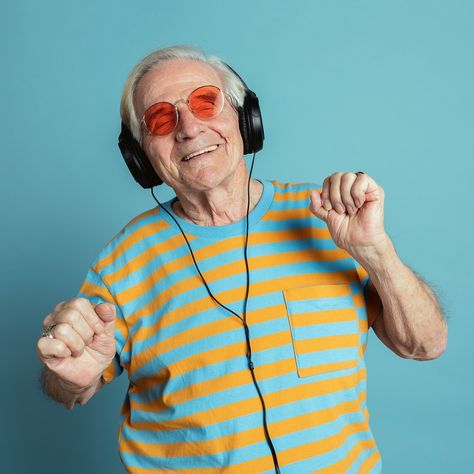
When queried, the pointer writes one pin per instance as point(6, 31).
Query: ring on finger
point(48, 331)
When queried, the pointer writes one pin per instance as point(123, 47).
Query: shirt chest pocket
point(324, 328)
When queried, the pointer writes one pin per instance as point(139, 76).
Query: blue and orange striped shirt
point(192, 405)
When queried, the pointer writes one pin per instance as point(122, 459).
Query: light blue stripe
point(355, 467)
point(258, 450)
point(315, 330)
point(286, 411)
point(315, 359)
point(223, 397)
point(319, 304)
point(179, 463)
point(324, 460)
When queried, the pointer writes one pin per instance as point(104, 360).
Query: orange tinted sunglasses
point(205, 102)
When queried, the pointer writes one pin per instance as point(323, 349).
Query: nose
point(188, 125)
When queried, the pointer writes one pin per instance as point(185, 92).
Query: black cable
point(244, 319)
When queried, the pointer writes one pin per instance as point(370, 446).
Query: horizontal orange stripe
point(245, 407)
point(213, 356)
point(136, 236)
point(109, 373)
point(289, 186)
point(216, 248)
point(362, 272)
point(320, 447)
point(325, 368)
point(241, 439)
point(326, 343)
point(359, 300)
point(224, 271)
point(226, 298)
point(291, 196)
point(92, 290)
point(289, 456)
point(346, 463)
point(287, 214)
point(224, 382)
point(370, 462)
point(151, 252)
point(323, 317)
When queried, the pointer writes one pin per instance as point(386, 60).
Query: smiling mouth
point(200, 152)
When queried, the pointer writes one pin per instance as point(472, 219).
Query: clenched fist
point(352, 205)
point(81, 342)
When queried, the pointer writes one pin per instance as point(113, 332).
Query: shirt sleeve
point(96, 291)
point(372, 302)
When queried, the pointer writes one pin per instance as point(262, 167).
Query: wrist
point(378, 257)
point(75, 389)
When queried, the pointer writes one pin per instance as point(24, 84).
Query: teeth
point(200, 152)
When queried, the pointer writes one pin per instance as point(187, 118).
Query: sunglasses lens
point(206, 102)
point(160, 118)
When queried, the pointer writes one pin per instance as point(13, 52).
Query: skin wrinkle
point(211, 188)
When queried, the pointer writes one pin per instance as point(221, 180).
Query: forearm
point(66, 393)
point(412, 316)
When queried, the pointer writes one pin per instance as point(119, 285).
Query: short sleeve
point(372, 300)
point(96, 291)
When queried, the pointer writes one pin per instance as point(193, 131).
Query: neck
point(219, 206)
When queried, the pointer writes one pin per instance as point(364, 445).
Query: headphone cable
point(247, 293)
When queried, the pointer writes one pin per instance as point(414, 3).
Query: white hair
point(234, 88)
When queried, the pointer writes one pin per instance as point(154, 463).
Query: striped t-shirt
point(192, 405)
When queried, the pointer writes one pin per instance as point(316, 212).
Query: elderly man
point(240, 308)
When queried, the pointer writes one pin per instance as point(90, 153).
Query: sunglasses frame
point(186, 101)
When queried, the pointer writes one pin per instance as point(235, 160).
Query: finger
point(106, 312)
point(335, 193)
point(325, 194)
point(359, 189)
point(77, 321)
point(347, 181)
point(84, 306)
point(50, 318)
point(73, 341)
point(316, 206)
point(48, 348)
point(59, 306)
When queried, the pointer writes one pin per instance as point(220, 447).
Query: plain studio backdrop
point(380, 86)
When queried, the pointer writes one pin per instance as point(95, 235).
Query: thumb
point(316, 206)
point(106, 312)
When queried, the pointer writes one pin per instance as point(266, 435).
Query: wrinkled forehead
point(172, 80)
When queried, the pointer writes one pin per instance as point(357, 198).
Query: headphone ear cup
point(136, 160)
point(250, 123)
point(244, 130)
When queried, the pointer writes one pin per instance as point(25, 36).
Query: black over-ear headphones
point(251, 129)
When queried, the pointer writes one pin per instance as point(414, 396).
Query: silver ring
point(48, 332)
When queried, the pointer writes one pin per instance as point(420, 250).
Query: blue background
point(384, 87)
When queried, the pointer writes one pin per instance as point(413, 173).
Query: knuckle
point(47, 320)
point(59, 306)
point(62, 330)
point(78, 303)
point(74, 316)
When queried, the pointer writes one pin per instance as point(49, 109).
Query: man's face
point(173, 80)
